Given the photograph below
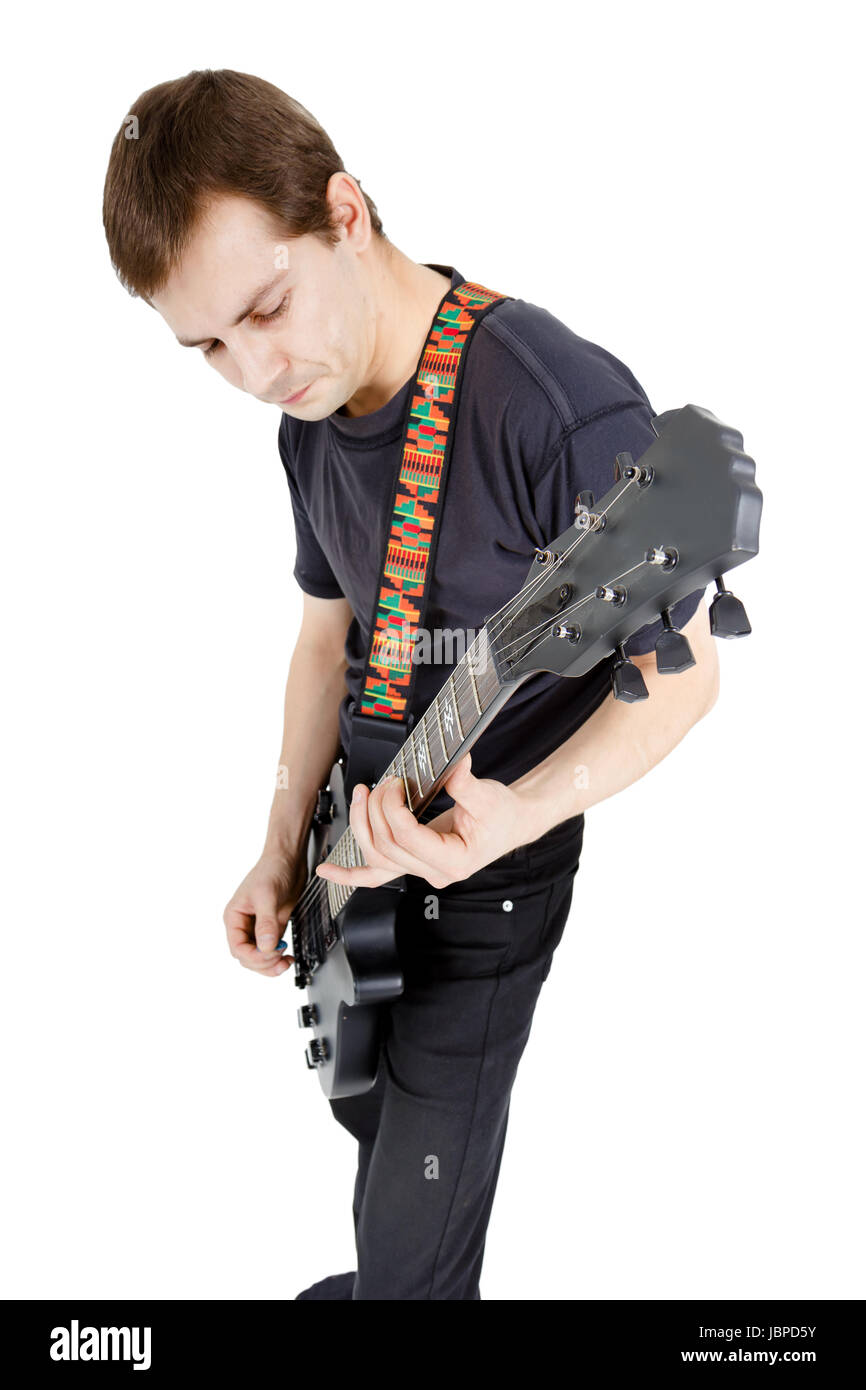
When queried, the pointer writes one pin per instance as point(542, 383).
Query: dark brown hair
point(210, 133)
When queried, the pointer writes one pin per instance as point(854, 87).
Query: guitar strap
point(381, 719)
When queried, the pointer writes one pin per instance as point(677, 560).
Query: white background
point(675, 182)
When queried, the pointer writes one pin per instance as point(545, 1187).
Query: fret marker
point(420, 760)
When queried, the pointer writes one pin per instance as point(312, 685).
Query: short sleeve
point(312, 570)
point(583, 460)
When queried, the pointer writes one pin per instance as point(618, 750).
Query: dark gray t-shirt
point(541, 417)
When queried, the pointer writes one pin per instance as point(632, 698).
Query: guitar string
point(318, 886)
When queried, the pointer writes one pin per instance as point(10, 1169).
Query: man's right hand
point(259, 912)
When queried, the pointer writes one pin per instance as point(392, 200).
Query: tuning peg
point(727, 614)
point(585, 499)
point(625, 467)
point(673, 652)
point(626, 679)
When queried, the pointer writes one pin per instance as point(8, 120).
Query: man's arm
point(620, 742)
point(315, 688)
point(259, 910)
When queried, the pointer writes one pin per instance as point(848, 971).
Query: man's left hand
point(488, 819)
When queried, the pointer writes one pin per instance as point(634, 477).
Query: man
point(227, 208)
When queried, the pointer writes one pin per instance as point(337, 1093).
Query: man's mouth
point(297, 395)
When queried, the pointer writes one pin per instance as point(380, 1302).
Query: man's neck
point(406, 299)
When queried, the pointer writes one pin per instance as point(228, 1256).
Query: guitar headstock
point(674, 521)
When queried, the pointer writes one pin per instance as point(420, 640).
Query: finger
point(363, 877)
point(252, 958)
point(359, 821)
point(239, 927)
point(268, 967)
point(415, 848)
point(376, 819)
point(275, 969)
point(280, 951)
point(240, 933)
point(268, 929)
point(411, 842)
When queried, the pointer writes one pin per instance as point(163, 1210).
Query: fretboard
point(470, 698)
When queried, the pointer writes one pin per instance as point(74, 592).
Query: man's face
point(273, 315)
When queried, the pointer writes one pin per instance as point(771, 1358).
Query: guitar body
point(346, 960)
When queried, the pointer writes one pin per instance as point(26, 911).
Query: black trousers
point(432, 1129)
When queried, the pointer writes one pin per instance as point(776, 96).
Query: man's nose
point(260, 365)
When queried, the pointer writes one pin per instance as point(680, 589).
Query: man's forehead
point(232, 220)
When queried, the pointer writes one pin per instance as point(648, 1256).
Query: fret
point(465, 700)
point(450, 722)
point(475, 691)
point(418, 781)
point(455, 703)
point(433, 767)
point(405, 778)
point(485, 669)
point(425, 771)
point(441, 735)
point(433, 770)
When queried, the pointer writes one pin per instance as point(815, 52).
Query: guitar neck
point(470, 698)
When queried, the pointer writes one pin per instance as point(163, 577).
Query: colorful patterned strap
point(420, 485)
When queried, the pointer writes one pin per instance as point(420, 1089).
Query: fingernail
point(268, 943)
point(356, 794)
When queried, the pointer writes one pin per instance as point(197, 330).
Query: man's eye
point(269, 318)
point(256, 318)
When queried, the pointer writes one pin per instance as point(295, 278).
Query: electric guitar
point(687, 511)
